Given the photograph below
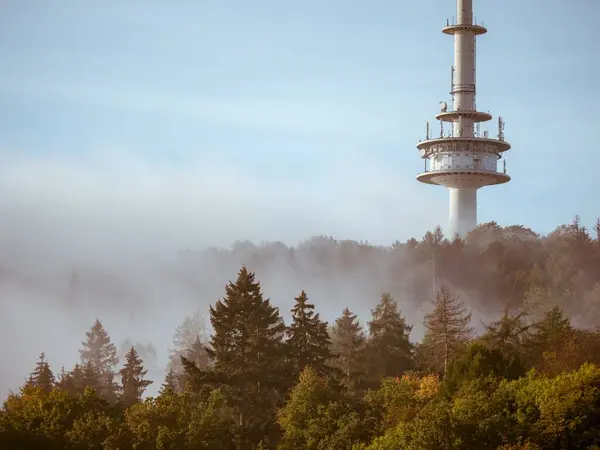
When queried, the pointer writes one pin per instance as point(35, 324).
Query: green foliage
point(317, 417)
point(246, 350)
point(133, 383)
point(188, 338)
point(479, 363)
point(99, 356)
point(389, 349)
point(530, 381)
point(169, 385)
point(308, 341)
point(508, 334)
point(51, 420)
point(42, 376)
point(348, 348)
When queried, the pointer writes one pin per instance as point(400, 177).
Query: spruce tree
point(308, 339)
point(89, 378)
point(42, 375)
point(388, 348)
point(553, 328)
point(246, 350)
point(184, 338)
point(63, 380)
point(169, 385)
point(549, 334)
point(447, 329)
point(197, 355)
point(99, 352)
point(133, 383)
point(71, 381)
point(348, 347)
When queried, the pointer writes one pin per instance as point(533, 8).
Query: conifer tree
point(133, 383)
point(246, 349)
point(447, 328)
point(347, 347)
point(550, 333)
point(63, 379)
point(169, 385)
point(388, 348)
point(308, 340)
point(184, 338)
point(89, 378)
point(71, 381)
point(196, 355)
point(553, 327)
point(508, 334)
point(101, 355)
point(42, 375)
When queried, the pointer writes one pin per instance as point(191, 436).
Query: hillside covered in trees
point(528, 377)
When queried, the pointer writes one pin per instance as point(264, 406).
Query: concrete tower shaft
point(463, 76)
point(463, 160)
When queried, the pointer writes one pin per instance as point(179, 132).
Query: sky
point(183, 124)
point(147, 127)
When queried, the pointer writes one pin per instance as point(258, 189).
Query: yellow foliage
point(429, 387)
point(423, 387)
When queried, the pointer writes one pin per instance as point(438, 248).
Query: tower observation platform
point(463, 159)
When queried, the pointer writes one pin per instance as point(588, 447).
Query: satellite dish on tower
point(444, 106)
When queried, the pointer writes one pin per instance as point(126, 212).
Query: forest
point(526, 377)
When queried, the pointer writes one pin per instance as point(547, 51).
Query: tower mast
point(464, 161)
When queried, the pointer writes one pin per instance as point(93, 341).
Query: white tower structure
point(463, 159)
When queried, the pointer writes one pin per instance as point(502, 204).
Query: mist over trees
point(508, 356)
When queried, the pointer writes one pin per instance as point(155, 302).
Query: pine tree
point(133, 383)
point(42, 375)
point(347, 347)
point(101, 354)
point(388, 348)
point(308, 340)
point(246, 349)
point(447, 328)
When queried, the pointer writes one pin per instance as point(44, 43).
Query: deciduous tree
point(448, 328)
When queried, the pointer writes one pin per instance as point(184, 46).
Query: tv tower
point(463, 159)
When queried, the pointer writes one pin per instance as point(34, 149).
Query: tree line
point(528, 380)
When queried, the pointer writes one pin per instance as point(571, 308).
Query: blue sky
point(156, 126)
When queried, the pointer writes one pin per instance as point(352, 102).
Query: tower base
point(463, 211)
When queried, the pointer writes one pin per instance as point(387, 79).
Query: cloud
point(116, 202)
point(112, 208)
